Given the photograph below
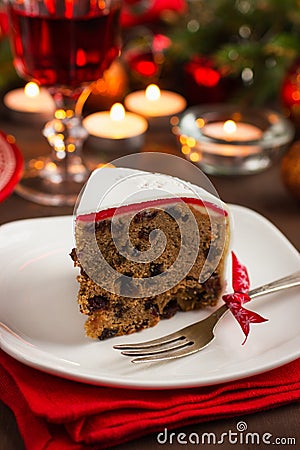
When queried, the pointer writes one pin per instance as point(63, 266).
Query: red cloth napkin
point(11, 164)
point(58, 414)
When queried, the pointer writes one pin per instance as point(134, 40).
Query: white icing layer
point(113, 187)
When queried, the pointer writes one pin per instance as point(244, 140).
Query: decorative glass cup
point(228, 140)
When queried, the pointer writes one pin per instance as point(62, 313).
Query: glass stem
point(66, 135)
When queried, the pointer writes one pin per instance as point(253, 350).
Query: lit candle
point(232, 131)
point(154, 102)
point(115, 124)
point(30, 99)
point(234, 138)
point(226, 140)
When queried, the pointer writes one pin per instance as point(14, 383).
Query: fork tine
point(169, 338)
point(175, 345)
point(172, 354)
point(178, 348)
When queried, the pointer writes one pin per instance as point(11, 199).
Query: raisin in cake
point(121, 291)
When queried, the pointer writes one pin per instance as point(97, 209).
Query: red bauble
point(290, 93)
point(143, 64)
point(204, 82)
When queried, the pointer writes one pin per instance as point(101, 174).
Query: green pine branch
point(263, 35)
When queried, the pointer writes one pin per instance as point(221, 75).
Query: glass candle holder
point(227, 140)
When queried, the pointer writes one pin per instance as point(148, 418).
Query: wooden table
point(262, 192)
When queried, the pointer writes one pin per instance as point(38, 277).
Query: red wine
point(64, 51)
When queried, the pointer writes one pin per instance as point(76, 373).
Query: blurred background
point(245, 51)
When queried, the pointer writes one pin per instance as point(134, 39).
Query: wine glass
point(63, 45)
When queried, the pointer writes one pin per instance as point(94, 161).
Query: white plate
point(43, 328)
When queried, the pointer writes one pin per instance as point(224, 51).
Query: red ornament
point(290, 93)
point(204, 75)
point(204, 82)
point(143, 64)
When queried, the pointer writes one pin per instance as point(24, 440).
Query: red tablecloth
point(54, 413)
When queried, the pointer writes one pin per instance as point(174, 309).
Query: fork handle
point(277, 285)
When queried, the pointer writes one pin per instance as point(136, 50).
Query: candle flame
point(31, 89)
point(117, 112)
point(229, 127)
point(152, 92)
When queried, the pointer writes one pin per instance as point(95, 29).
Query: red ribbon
point(235, 301)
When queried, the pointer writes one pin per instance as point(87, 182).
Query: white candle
point(229, 131)
point(232, 131)
point(115, 124)
point(154, 102)
point(30, 99)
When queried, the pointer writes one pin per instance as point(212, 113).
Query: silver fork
point(194, 337)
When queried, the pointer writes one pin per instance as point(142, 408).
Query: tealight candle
point(232, 131)
point(154, 102)
point(242, 134)
point(116, 125)
point(30, 99)
point(227, 140)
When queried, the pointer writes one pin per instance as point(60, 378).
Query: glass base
point(47, 182)
point(227, 165)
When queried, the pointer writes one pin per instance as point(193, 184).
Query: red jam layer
point(109, 213)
